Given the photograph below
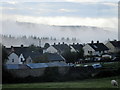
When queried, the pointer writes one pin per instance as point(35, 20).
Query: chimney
point(115, 40)
point(4, 46)
point(92, 42)
point(63, 43)
point(12, 49)
point(97, 41)
point(11, 46)
point(22, 46)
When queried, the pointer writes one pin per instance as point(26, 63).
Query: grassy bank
point(89, 83)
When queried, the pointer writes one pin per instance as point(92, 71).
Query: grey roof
point(115, 43)
point(98, 46)
point(27, 51)
point(62, 47)
point(54, 57)
point(77, 46)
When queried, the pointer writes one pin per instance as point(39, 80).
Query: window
point(12, 60)
point(90, 52)
point(21, 59)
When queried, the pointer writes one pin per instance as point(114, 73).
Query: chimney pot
point(97, 41)
point(92, 41)
point(22, 45)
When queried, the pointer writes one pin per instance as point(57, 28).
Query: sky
point(97, 13)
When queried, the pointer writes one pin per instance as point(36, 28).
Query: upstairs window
point(12, 60)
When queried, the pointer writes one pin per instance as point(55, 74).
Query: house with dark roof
point(58, 48)
point(95, 49)
point(76, 47)
point(22, 55)
point(114, 46)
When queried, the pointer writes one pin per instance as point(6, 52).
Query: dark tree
point(71, 57)
point(46, 45)
point(80, 53)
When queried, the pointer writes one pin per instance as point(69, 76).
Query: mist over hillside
point(68, 34)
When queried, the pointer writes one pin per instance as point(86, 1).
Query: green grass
point(114, 65)
point(89, 83)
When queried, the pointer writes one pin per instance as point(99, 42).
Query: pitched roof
point(77, 46)
point(115, 43)
point(54, 57)
point(62, 47)
point(26, 51)
point(98, 46)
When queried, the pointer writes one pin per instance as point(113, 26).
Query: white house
point(21, 59)
point(114, 46)
point(95, 49)
point(13, 59)
point(57, 48)
point(19, 55)
point(51, 49)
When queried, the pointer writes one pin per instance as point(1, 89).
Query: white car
point(97, 65)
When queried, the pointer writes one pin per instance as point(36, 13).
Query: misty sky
point(97, 13)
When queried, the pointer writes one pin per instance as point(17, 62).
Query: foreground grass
point(89, 83)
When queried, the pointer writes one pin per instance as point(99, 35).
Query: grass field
point(89, 83)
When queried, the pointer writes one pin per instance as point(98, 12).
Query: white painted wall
point(28, 60)
point(21, 57)
point(87, 48)
point(13, 59)
point(51, 49)
point(111, 47)
point(72, 49)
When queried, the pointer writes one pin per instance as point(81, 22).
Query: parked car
point(85, 65)
point(97, 66)
point(116, 59)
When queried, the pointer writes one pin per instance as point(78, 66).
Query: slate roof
point(115, 43)
point(54, 57)
point(77, 46)
point(26, 51)
point(62, 47)
point(98, 46)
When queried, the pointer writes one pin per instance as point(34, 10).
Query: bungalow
point(58, 48)
point(95, 49)
point(21, 55)
point(114, 46)
point(76, 47)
